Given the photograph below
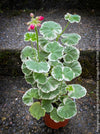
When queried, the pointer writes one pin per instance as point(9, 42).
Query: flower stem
point(37, 42)
point(33, 50)
point(62, 31)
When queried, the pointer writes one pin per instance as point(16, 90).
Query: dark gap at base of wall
point(10, 63)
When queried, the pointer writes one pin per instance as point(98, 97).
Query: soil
point(15, 117)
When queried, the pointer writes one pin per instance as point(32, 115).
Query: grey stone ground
point(13, 28)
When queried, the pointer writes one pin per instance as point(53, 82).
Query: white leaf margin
point(68, 14)
point(50, 53)
point(36, 80)
point(64, 101)
point(64, 36)
point(63, 77)
point(71, 56)
point(55, 33)
point(51, 89)
point(41, 71)
point(74, 91)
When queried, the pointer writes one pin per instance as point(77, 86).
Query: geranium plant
point(48, 64)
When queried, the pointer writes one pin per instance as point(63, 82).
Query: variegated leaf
point(25, 70)
point(55, 63)
point(38, 67)
point(50, 95)
point(70, 38)
point(54, 116)
point(67, 110)
point(46, 104)
point(77, 92)
point(28, 53)
point(29, 95)
point(76, 67)
point(40, 78)
point(49, 86)
point(43, 56)
point(42, 42)
point(29, 79)
point(55, 50)
point(72, 18)
point(50, 30)
point(62, 73)
point(71, 54)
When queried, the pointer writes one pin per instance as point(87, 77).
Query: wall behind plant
point(46, 4)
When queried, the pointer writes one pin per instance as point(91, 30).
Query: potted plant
point(48, 67)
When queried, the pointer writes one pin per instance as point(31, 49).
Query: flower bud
point(29, 28)
point(39, 25)
point(31, 15)
point(32, 26)
point(40, 18)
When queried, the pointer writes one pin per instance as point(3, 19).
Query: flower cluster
point(35, 22)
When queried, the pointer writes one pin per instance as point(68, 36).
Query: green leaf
point(29, 95)
point(37, 111)
point(38, 67)
point(62, 88)
point(67, 74)
point(77, 92)
point(43, 55)
point(54, 116)
point(76, 68)
point(50, 95)
point(40, 78)
point(50, 30)
point(55, 50)
point(62, 73)
point(29, 78)
point(30, 36)
point(70, 88)
point(57, 73)
point(49, 86)
point(28, 53)
point(72, 18)
point(42, 42)
point(25, 70)
point(46, 104)
point(71, 38)
point(55, 63)
point(71, 54)
point(67, 110)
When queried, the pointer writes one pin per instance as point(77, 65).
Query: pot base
point(50, 123)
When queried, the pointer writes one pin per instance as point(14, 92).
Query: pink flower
point(40, 18)
point(32, 26)
point(31, 15)
point(39, 25)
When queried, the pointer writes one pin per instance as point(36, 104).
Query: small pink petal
point(29, 29)
point(40, 18)
point(39, 25)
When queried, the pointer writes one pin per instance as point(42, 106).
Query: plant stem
point(33, 50)
point(62, 31)
point(31, 44)
point(37, 42)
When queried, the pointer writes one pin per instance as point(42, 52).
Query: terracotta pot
point(50, 123)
